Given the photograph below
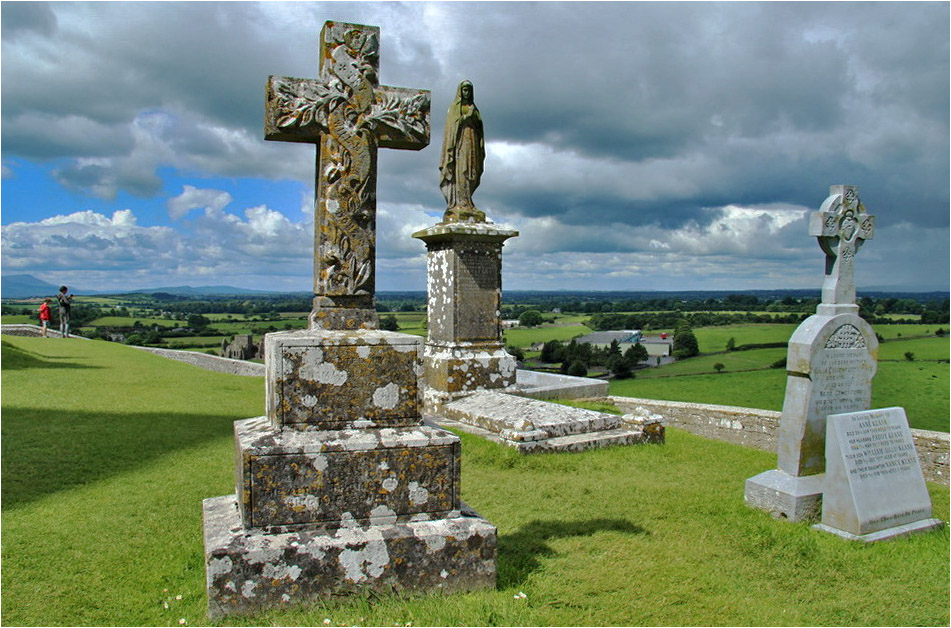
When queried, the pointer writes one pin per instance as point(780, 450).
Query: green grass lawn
point(107, 453)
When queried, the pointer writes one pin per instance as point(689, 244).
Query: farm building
point(602, 339)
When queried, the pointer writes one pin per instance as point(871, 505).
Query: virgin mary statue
point(463, 153)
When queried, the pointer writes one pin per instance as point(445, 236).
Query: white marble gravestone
point(873, 488)
point(831, 360)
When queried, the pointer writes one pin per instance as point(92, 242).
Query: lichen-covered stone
point(532, 425)
point(248, 570)
point(336, 379)
point(319, 479)
point(464, 280)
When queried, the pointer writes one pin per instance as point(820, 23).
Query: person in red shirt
point(45, 314)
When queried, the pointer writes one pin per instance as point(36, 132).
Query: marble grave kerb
point(341, 487)
point(830, 363)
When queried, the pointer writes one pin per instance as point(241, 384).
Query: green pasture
point(195, 341)
point(20, 319)
point(920, 387)
point(889, 332)
point(933, 348)
point(528, 336)
point(129, 321)
point(107, 453)
point(732, 361)
point(409, 322)
point(713, 339)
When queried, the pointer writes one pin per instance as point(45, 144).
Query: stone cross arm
point(297, 110)
point(841, 225)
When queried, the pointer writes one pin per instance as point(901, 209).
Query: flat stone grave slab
point(874, 489)
point(532, 425)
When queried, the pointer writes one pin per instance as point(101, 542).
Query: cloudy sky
point(635, 146)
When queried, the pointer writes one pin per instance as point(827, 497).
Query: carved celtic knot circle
point(846, 337)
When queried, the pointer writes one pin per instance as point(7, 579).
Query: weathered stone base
point(454, 372)
point(532, 426)
point(786, 496)
point(917, 527)
point(249, 571)
point(331, 379)
point(343, 318)
point(320, 479)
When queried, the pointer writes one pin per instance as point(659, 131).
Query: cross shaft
point(349, 115)
point(841, 226)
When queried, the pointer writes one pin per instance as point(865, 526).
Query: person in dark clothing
point(65, 303)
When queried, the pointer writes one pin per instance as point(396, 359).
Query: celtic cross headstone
point(349, 115)
point(842, 225)
point(830, 363)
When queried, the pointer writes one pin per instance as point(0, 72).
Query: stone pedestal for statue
point(831, 360)
point(464, 348)
point(340, 487)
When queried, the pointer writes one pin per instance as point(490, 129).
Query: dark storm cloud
point(636, 117)
point(18, 18)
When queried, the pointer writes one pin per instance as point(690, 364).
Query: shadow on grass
point(16, 358)
point(519, 552)
point(46, 451)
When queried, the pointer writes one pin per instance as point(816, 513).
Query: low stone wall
point(35, 331)
point(538, 385)
point(933, 450)
point(210, 362)
point(756, 428)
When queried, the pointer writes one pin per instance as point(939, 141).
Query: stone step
point(524, 419)
point(581, 442)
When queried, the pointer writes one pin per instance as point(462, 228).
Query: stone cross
point(349, 115)
point(842, 226)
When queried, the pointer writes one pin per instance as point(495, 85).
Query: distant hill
point(25, 286)
point(189, 291)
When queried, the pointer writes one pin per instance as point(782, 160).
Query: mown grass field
point(920, 387)
point(108, 451)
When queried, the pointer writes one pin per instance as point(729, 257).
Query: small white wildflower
point(522, 595)
point(326, 621)
point(182, 621)
point(165, 605)
point(178, 597)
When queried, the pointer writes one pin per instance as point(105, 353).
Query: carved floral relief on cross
point(350, 115)
point(841, 225)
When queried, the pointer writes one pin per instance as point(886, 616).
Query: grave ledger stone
point(831, 360)
point(464, 348)
point(341, 487)
point(874, 489)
